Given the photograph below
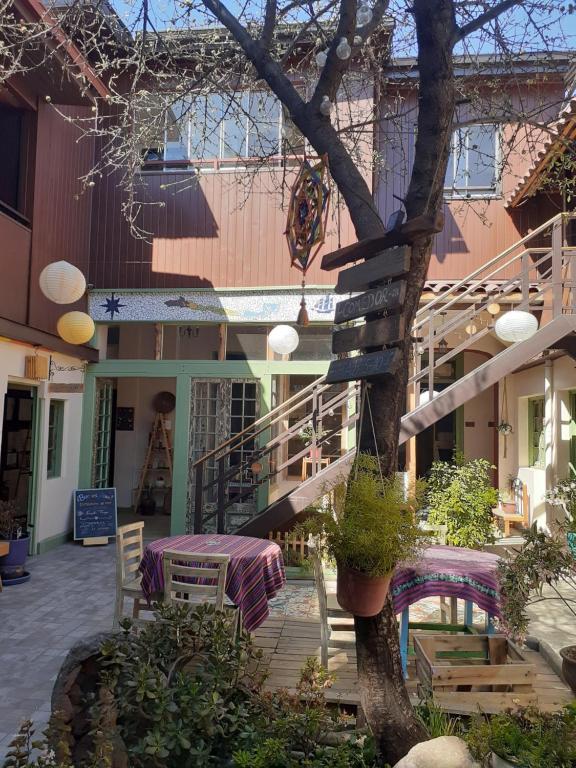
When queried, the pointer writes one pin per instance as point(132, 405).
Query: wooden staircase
point(536, 274)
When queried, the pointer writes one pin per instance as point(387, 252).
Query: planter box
point(464, 672)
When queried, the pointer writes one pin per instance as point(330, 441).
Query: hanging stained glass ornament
point(307, 217)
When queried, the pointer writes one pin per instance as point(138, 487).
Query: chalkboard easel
point(95, 515)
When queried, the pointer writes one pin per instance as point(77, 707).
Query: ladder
point(159, 443)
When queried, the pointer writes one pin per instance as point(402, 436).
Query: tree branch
point(334, 69)
point(269, 23)
point(484, 18)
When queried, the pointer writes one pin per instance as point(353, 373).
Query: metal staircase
point(536, 274)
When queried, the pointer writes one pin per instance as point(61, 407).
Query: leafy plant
point(436, 721)
point(370, 524)
point(184, 692)
point(11, 520)
point(307, 433)
point(563, 494)
point(528, 738)
point(523, 575)
point(460, 495)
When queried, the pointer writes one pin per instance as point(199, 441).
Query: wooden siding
point(61, 214)
point(475, 230)
point(14, 269)
point(212, 232)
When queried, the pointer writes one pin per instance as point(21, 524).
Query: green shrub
point(370, 525)
point(528, 738)
point(460, 495)
point(186, 693)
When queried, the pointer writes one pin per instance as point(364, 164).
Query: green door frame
point(182, 372)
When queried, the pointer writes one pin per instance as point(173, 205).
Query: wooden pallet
point(288, 641)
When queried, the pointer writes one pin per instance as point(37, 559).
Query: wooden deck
point(287, 642)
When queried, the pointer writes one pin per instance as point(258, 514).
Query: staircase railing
point(536, 274)
point(227, 479)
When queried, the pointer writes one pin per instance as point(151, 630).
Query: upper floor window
point(225, 129)
point(11, 127)
point(473, 164)
point(536, 435)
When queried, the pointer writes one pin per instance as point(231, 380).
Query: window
point(222, 127)
point(10, 134)
point(55, 431)
point(473, 163)
point(536, 444)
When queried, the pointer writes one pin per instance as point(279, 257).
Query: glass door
point(103, 435)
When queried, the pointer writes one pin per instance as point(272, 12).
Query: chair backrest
point(194, 577)
point(437, 533)
point(521, 500)
point(129, 551)
point(314, 555)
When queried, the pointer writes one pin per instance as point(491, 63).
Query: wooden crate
point(467, 672)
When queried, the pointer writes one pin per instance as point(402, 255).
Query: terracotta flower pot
point(569, 665)
point(360, 594)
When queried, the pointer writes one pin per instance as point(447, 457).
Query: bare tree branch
point(484, 18)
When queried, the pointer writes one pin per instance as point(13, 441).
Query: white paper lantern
point(321, 58)
point(343, 50)
point(283, 339)
point(425, 396)
point(62, 282)
point(75, 327)
point(363, 15)
point(516, 325)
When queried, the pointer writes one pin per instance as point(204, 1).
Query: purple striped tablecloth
point(448, 572)
point(255, 572)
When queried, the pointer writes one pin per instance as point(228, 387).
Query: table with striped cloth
point(255, 572)
point(448, 572)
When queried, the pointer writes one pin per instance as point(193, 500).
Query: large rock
point(443, 752)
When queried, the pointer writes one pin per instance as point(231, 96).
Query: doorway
point(18, 452)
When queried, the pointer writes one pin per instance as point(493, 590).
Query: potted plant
point(461, 497)
point(307, 434)
point(367, 529)
point(563, 494)
point(524, 739)
point(14, 531)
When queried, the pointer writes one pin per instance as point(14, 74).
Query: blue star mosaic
point(113, 306)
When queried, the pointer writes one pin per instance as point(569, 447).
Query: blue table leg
point(468, 613)
point(489, 624)
point(404, 632)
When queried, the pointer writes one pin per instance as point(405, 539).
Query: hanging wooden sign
point(392, 262)
point(385, 297)
point(376, 333)
point(371, 366)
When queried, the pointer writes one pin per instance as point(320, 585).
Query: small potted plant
point(13, 530)
point(367, 530)
point(563, 494)
point(307, 434)
point(524, 739)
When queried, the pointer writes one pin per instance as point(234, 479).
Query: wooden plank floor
point(287, 642)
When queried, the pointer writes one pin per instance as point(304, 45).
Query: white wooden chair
point(179, 567)
point(333, 618)
point(129, 551)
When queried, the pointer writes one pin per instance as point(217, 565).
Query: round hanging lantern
point(62, 282)
point(283, 339)
point(516, 325)
point(75, 327)
point(425, 396)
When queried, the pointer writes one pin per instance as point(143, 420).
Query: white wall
point(54, 495)
point(130, 450)
point(521, 386)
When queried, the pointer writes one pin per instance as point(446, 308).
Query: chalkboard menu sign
point(95, 513)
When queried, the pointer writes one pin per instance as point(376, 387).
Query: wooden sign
point(370, 366)
point(376, 333)
point(390, 296)
point(56, 388)
point(390, 263)
point(407, 233)
point(95, 517)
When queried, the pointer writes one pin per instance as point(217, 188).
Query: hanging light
point(442, 346)
point(343, 49)
point(357, 40)
point(321, 58)
point(325, 106)
point(75, 327)
point(516, 325)
point(62, 282)
point(493, 308)
point(425, 396)
point(471, 329)
point(363, 15)
point(283, 339)
point(256, 467)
